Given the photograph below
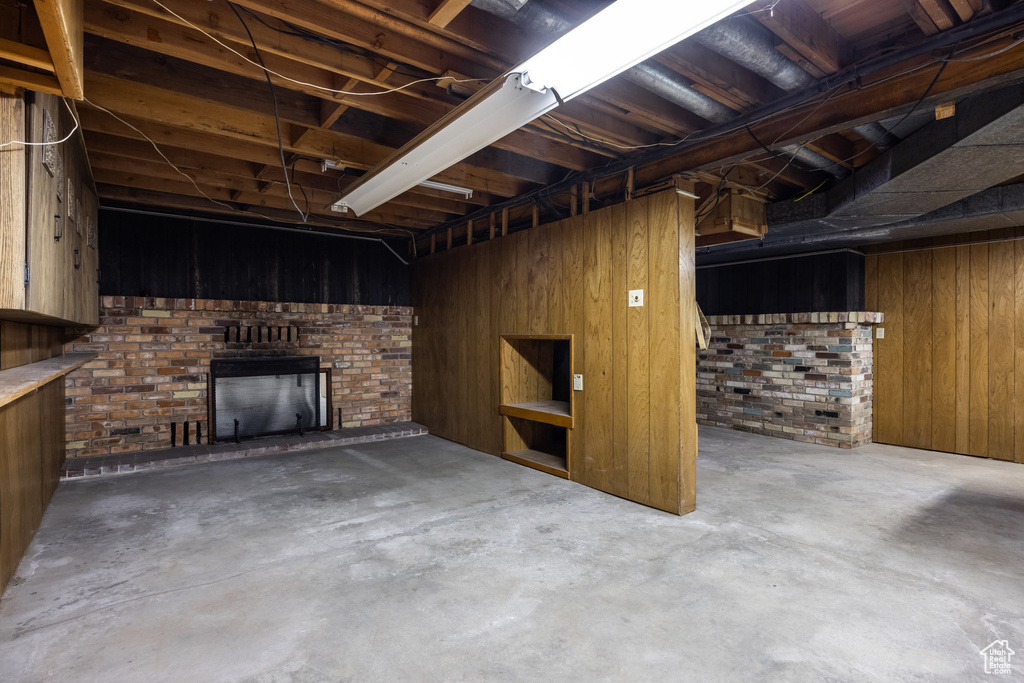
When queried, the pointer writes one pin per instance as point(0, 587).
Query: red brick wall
point(154, 354)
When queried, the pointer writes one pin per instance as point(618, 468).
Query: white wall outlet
point(636, 297)
point(879, 333)
point(577, 382)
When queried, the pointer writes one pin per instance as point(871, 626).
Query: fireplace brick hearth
point(153, 356)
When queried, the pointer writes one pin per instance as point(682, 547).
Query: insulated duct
point(750, 45)
point(657, 78)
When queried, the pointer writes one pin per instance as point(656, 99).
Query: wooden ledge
point(550, 412)
point(24, 379)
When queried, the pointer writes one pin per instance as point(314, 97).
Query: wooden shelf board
point(545, 462)
point(24, 379)
point(550, 412)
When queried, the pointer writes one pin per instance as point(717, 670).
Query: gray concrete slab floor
point(419, 559)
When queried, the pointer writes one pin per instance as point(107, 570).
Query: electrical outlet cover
point(577, 382)
point(636, 297)
point(879, 333)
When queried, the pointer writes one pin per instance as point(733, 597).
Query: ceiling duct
point(654, 76)
point(939, 180)
point(750, 45)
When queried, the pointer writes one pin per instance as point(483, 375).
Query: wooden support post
point(574, 193)
point(536, 215)
point(433, 243)
point(469, 233)
point(449, 238)
point(586, 198)
point(504, 221)
point(493, 225)
point(630, 182)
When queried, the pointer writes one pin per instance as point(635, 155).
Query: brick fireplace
point(153, 357)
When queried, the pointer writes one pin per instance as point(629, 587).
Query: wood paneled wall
point(635, 420)
point(949, 373)
point(31, 442)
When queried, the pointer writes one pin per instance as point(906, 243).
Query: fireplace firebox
point(263, 396)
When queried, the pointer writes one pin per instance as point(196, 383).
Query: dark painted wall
point(178, 258)
point(822, 282)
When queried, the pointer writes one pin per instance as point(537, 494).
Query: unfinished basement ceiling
point(783, 101)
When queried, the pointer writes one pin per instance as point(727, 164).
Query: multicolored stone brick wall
point(153, 356)
point(800, 376)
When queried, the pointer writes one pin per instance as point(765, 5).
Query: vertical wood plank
point(888, 399)
point(492, 280)
point(12, 202)
point(1000, 351)
point(944, 349)
point(538, 279)
point(1018, 358)
point(667, 339)
point(979, 350)
point(917, 349)
point(556, 291)
point(638, 394)
point(963, 349)
point(572, 311)
point(687, 355)
point(620, 358)
point(597, 342)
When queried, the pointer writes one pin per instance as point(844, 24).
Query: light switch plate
point(577, 382)
point(636, 297)
point(879, 333)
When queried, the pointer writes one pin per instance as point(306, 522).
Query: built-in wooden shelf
point(545, 462)
point(549, 412)
point(24, 379)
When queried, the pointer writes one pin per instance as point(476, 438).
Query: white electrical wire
point(44, 144)
point(349, 93)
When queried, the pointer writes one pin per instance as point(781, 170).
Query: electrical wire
point(384, 229)
point(348, 93)
point(44, 144)
point(277, 117)
point(989, 55)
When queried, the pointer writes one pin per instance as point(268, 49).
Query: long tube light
point(620, 36)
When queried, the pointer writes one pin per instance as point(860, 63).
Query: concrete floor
point(419, 559)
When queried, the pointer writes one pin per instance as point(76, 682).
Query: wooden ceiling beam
point(61, 21)
point(26, 55)
point(728, 82)
point(167, 107)
point(883, 94)
point(172, 40)
point(446, 11)
point(163, 200)
point(381, 33)
point(800, 26)
point(213, 194)
point(109, 151)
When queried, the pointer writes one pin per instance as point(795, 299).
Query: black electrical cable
point(299, 32)
point(277, 114)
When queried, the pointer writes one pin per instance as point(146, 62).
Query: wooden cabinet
point(50, 264)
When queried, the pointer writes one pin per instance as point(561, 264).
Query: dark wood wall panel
point(179, 258)
point(949, 372)
point(635, 433)
point(800, 284)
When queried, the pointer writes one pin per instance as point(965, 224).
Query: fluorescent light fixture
point(620, 36)
point(445, 187)
point(686, 193)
